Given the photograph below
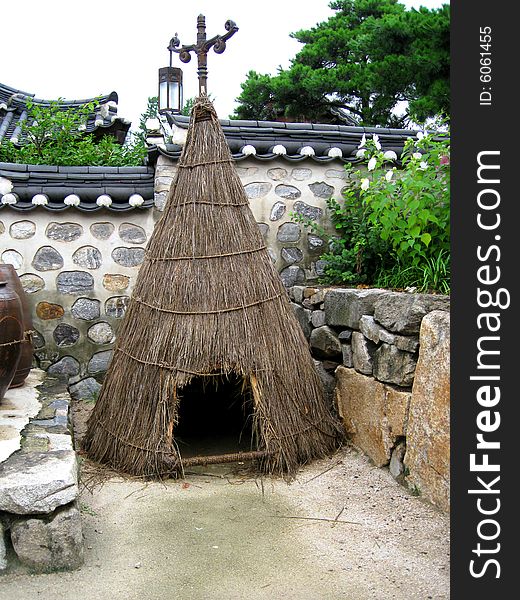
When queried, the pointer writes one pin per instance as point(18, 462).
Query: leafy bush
point(55, 136)
point(357, 252)
point(393, 224)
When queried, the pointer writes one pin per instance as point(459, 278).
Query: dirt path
point(225, 536)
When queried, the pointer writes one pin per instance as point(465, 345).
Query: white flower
point(40, 200)
point(135, 200)
point(307, 151)
point(335, 152)
point(279, 149)
point(363, 141)
point(417, 155)
point(6, 186)
point(390, 155)
point(389, 175)
point(249, 150)
point(365, 183)
point(360, 153)
point(420, 135)
point(423, 165)
point(71, 200)
point(377, 143)
point(372, 163)
point(9, 199)
point(104, 200)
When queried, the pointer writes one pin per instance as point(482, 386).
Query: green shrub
point(357, 251)
point(55, 136)
point(393, 224)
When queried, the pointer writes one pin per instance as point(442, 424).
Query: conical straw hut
point(208, 305)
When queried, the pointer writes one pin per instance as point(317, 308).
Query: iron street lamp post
point(202, 47)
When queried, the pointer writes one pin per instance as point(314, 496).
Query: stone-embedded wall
point(387, 354)
point(78, 270)
point(79, 267)
point(276, 188)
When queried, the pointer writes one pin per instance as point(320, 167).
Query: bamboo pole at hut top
point(208, 301)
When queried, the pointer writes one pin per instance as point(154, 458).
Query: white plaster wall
point(266, 184)
point(277, 184)
point(110, 279)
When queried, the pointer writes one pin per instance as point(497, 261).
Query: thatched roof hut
point(209, 311)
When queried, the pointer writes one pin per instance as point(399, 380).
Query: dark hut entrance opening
point(215, 419)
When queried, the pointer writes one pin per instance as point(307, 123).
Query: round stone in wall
point(102, 231)
point(2, 228)
point(116, 306)
point(320, 267)
point(22, 230)
point(292, 255)
point(132, 234)
point(277, 174)
point(159, 200)
point(115, 282)
point(314, 242)
point(246, 171)
point(87, 257)
point(74, 282)
point(128, 257)
point(257, 190)
point(65, 335)
point(292, 275)
point(101, 333)
point(12, 257)
point(37, 339)
point(308, 211)
point(278, 211)
point(47, 258)
point(86, 309)
point(288, 232)
point(264, 229)
point(46, 311)
point(301, 174)
point(289, 192)
point(321, 189)
point(335, 174)
point(100, 361)
point(31, 283)
point(64, 232)
point(67, 366)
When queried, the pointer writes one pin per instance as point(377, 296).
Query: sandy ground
point(342, 530)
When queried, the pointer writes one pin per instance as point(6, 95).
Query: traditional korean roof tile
point(25, 187)
point(104, 119)
point(268, 140)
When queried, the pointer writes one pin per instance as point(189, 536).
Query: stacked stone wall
point(385, 355)
point(40, 519)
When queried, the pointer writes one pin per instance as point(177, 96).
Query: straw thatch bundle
point(208, 301)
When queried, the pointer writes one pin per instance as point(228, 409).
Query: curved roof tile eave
point(128, 188)
point(264, 136)
point(13, 113)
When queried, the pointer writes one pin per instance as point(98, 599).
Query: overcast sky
point(71, 49)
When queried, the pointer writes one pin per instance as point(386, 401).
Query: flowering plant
point(410, 206)
point(393, 223)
